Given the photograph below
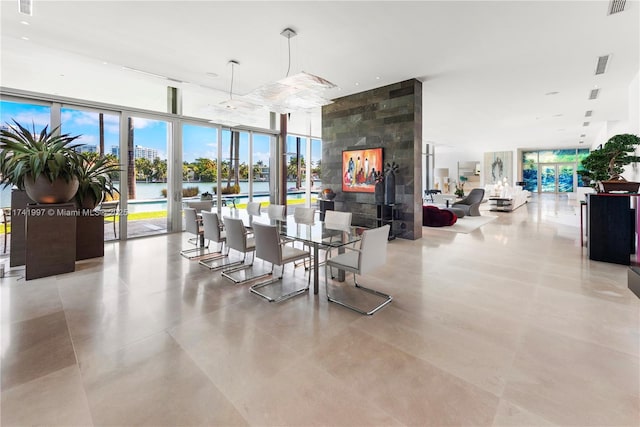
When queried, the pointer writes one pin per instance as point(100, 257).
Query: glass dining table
point(317, 235)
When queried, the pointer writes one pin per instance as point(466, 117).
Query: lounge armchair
point(471, 204)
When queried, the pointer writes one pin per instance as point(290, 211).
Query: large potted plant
point(44, 165)
point(95, 179)
point(603, 167)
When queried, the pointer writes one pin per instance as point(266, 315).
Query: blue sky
point(198, 141)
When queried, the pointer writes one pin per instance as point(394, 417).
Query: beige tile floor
point(510, 325)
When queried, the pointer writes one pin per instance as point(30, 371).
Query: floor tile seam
point(588, 298)
point(204, 373)
point(584, 341)
point(433, 365)
point(125, 346)
point(520, 407)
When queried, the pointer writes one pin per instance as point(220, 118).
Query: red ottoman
point(435, 217)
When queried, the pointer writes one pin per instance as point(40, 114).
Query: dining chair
point(304, 216)
point(194, 226)
point(271, 249)
point(277, 212)
point(110, 209)
point(253, 208)
point(371, 255)
point(335, 220)
point(213, 233)
point(238, 240)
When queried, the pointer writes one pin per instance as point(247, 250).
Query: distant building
point(145, 153)
point(87, 148)
point(139, 153)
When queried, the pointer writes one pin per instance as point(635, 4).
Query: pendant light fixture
point(292, 93)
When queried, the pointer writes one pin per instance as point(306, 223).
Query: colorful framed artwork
point(359, 168)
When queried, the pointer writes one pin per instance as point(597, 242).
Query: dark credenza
point(611, 227)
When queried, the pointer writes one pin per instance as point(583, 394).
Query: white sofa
point(513, 196)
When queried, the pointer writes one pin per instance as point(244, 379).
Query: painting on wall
point(497, 166)
point(359, 168)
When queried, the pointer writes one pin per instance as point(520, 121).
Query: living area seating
point(432, 216)
point(471, 204)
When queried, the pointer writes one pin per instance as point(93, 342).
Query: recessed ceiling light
point(211, 74)
point(552, 93)
point(377, 77)
point(24, 23)
point(357, 84)
point(25, 38)
point(558, 115)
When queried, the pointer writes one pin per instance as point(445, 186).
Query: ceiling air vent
point(594, 93)
point(601, 66)
point(616, 6)
point(588, 113)
point(26, 7)
point(585, 124)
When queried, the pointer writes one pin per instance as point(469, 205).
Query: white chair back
point(253, 208)
point(337, 220)
point(277, 212)
point(191, 221)
point(373, 249)
point(236, 234)
point(302, 215)
point(200, 206)
point(267, 243)
point(211, 225)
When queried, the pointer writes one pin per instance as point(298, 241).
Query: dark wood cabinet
point(611, 228)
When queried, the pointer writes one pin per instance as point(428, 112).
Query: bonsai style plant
point(94, 177)
point(44, 164)
point(605, 165)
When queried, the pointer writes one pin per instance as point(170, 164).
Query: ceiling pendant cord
point(289, 48)
point(231, 87)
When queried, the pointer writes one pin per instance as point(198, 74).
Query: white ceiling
point(485, 66)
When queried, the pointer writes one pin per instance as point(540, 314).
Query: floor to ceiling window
point(99, 133)
point(30, 115)
point(147, 176)
point(142, 142)
point(552, 171)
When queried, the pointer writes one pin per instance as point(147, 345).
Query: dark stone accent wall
point(388, 117)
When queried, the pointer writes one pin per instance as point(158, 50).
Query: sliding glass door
point(147, 176)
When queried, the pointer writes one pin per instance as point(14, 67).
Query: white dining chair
point(213, 233)
point(271, 249)
point(371, 255)
point(253, 208)
point(194, 226)
point(237, 239)
point(277, 212)
point(335, 220)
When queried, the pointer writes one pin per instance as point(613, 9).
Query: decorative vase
point(379, 193)
point(390, 189)
point(41, 190)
